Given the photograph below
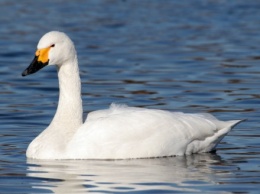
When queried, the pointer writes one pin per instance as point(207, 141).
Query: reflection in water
point(165, 174)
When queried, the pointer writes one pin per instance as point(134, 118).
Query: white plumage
point(120, 132)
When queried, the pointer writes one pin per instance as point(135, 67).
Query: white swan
point(119, 132)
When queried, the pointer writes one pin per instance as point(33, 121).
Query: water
point(190, 56)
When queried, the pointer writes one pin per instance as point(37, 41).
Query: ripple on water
point(142, 53)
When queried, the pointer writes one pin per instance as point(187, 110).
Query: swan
point(119, 132)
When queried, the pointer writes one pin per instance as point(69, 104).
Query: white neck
point(68, 117)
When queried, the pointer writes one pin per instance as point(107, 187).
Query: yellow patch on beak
point(43, 54)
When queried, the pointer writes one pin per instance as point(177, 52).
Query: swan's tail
point(229, 125)
point(213, 141)
point(233, 123)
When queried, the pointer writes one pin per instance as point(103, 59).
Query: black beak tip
point(25, 73)
point(34, 66)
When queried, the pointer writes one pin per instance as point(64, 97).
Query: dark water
point(190, 56)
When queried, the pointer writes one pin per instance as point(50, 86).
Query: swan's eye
point(53, 45)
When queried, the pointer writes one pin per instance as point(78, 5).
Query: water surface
point(190, 56)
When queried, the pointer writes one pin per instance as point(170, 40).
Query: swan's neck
point(68, 117)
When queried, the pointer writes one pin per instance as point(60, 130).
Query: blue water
point(190, 56)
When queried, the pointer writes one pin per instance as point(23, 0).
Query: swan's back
point(128, 132)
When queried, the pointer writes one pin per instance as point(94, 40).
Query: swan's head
point(54, 48)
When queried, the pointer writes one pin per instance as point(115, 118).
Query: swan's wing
point(125, 132)
point(97, 114)
point(113, 109)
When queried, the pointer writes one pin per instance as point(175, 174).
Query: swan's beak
point(40, 60)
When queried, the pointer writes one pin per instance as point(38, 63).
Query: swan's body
point(119, 132)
